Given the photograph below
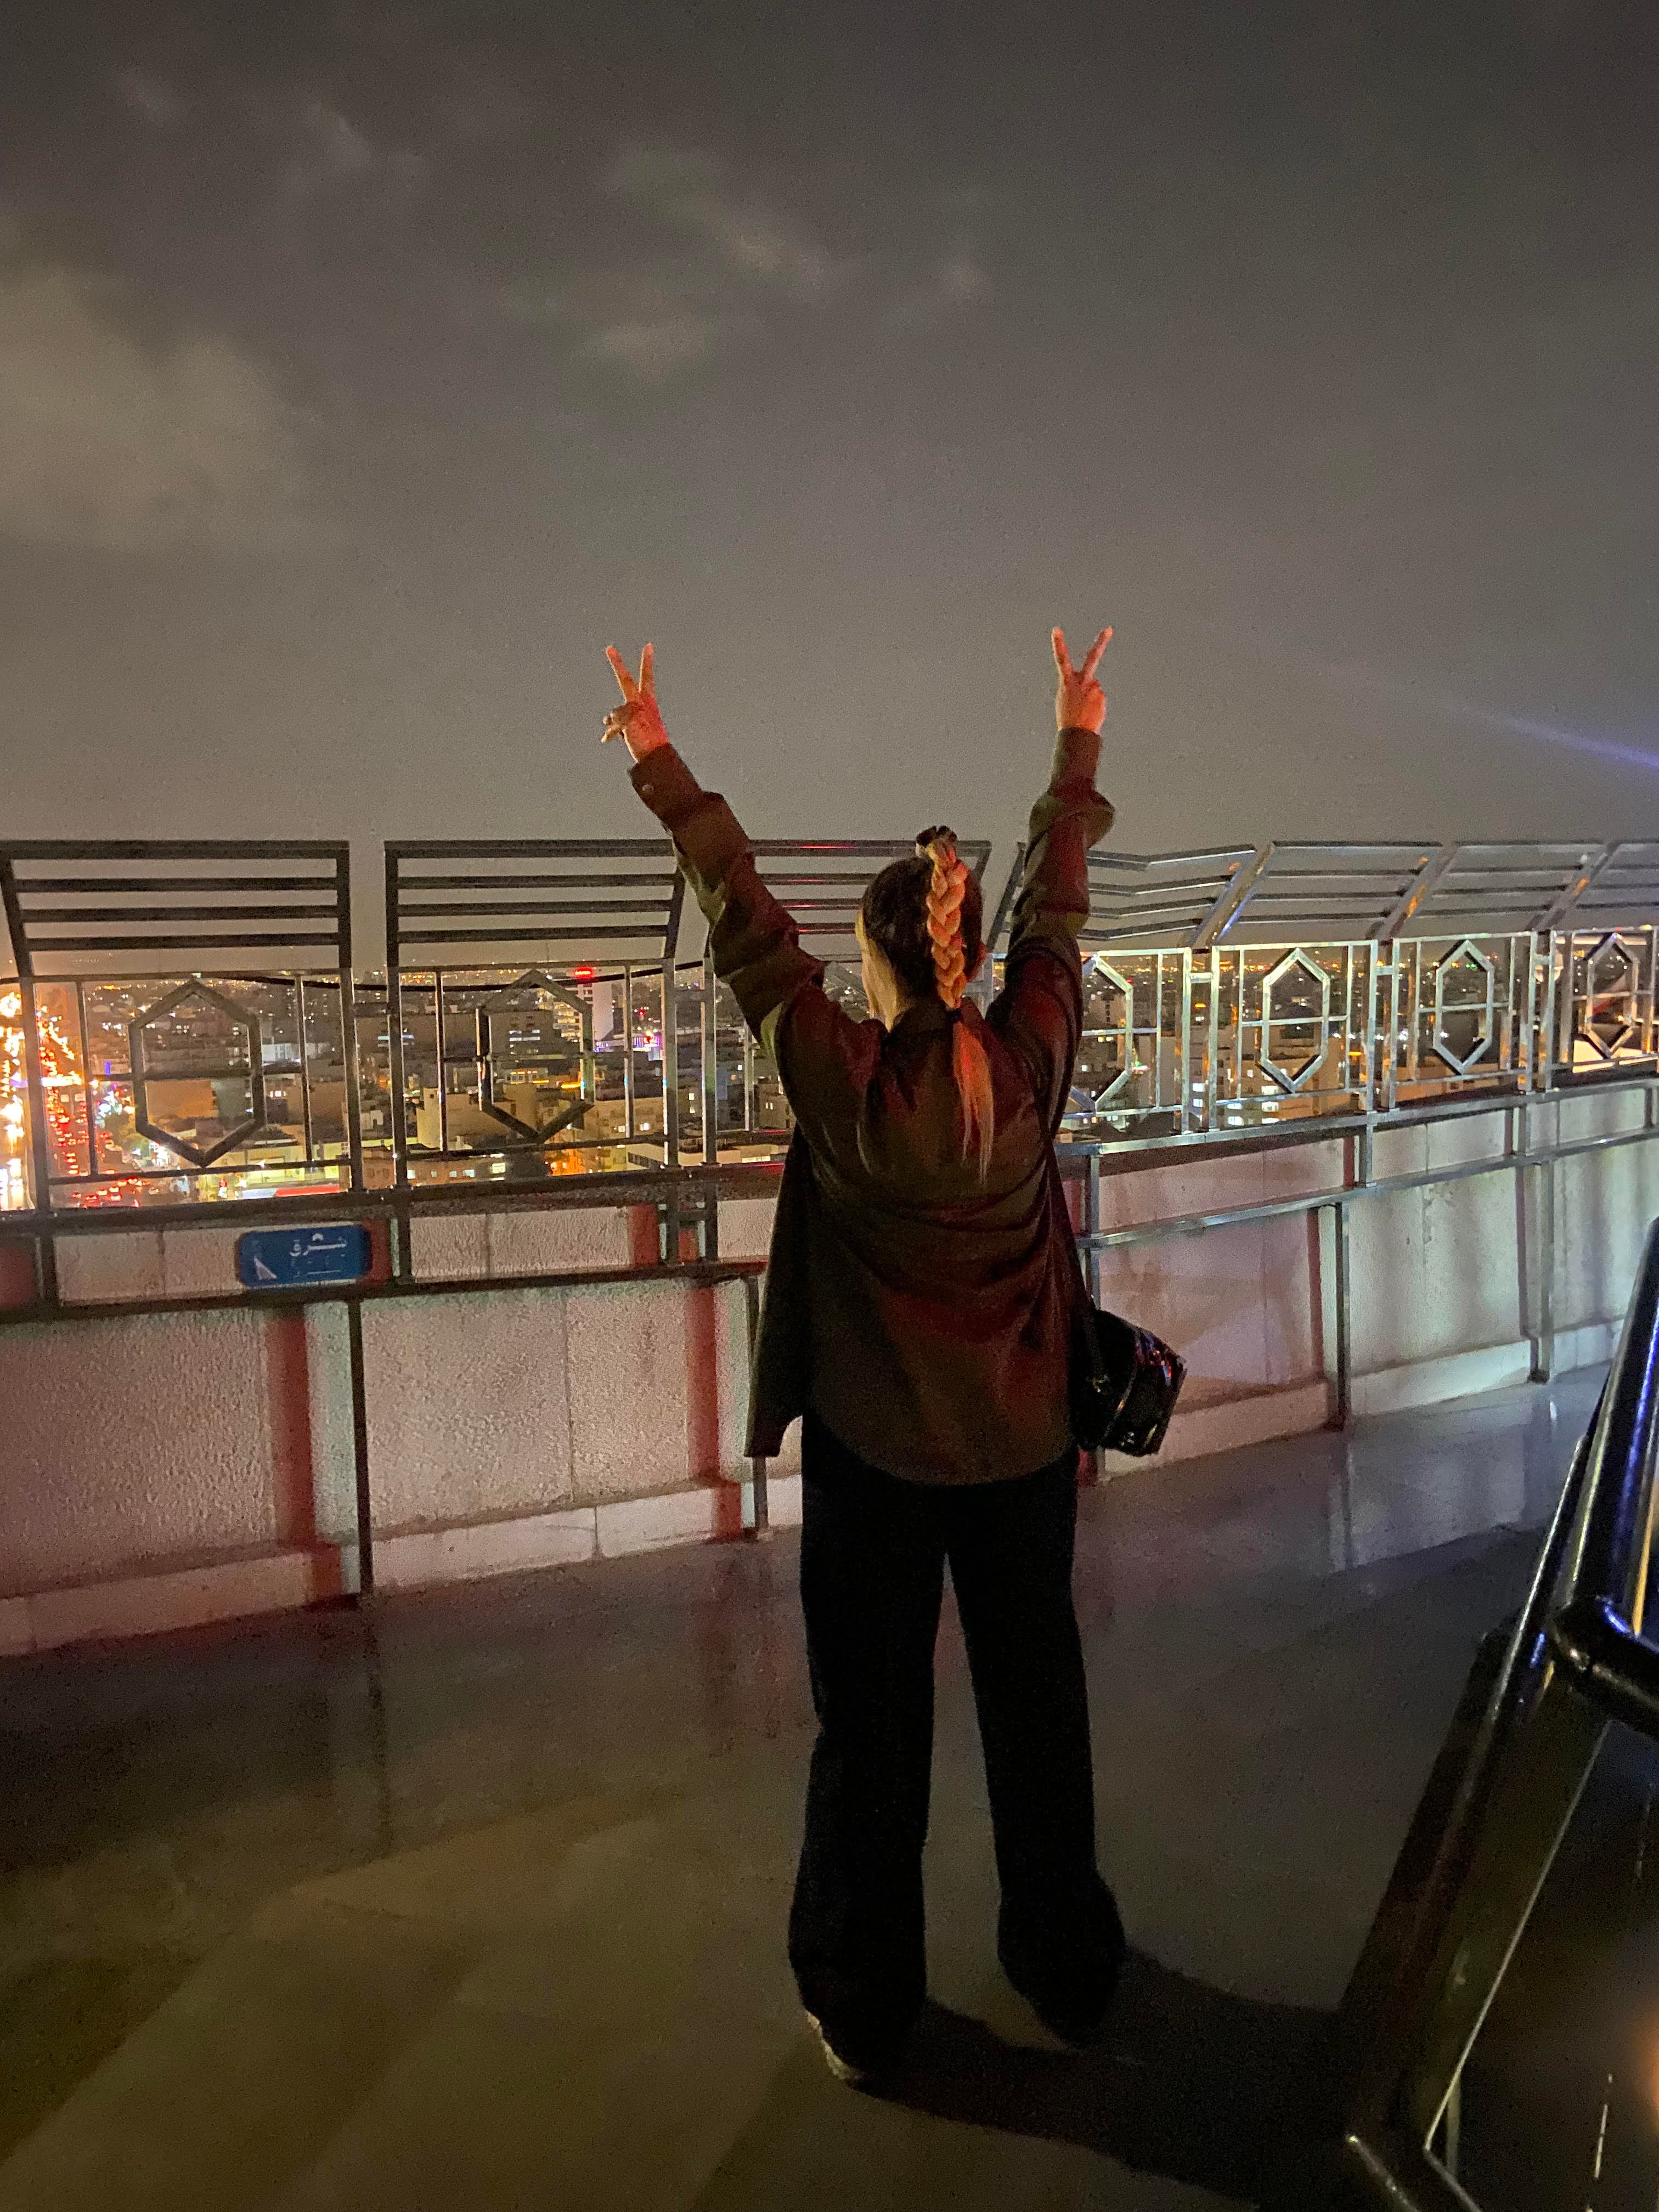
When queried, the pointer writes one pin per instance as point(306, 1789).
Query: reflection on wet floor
point(1276, 1639)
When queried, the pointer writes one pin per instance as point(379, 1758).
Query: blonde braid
point(945, 891)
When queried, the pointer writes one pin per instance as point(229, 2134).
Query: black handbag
point(1123, 1381)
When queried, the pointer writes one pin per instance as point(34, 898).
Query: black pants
point(873, 1552)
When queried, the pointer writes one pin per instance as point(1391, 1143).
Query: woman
point(917, 1319)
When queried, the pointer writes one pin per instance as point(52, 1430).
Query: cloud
point(722, 260)
point(151, 99)
point(653, 350)
point(114, 442)
point(955, 280)
point(331, 154)
point(757, 239)
point(646, 324)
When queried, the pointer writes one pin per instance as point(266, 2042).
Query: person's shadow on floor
point(1186, 2081)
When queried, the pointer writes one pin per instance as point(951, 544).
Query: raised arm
point(1039, 1011)
point(819, 1053)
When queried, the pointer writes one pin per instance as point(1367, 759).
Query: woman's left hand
point(637, 721)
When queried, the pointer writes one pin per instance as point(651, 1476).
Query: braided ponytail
point(947, 887)
point(923, 915)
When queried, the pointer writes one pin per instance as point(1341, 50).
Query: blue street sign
point(290, 1259)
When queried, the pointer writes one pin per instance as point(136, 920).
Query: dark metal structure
point(1533, 1720)
point(1257, 983)
point(114, 944)
point(486, 929)
point(475, 930)
point(1280, 892)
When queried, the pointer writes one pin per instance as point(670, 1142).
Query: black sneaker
point(1070, 1999)
point(859, 2072)
point(1067, 2019)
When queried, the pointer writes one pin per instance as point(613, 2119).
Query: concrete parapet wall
point(161, 1468)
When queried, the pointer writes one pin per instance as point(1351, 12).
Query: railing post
point(1091, 1229)
point(1535, 1231)
point(671, 1024)
point(1564, 1056)
point(394, 1029)
point(35, 1078)
point(360, 1450)
point(757, 1517)
point(349, 1071)
point(710, 1062)
point(1543, 1361)
point(629, 1129)
point(1544, 1352)
point(1341, 1315)
point(709, 1234)
point(39, 1136)
point(670, 1068)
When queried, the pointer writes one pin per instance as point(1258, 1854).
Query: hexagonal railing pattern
point(535, 1000)
point(1120, 1032)
point(167, 1045)
point(1611, 984)
point(1295, 967)
point(1225, 989)
point(1463, 960)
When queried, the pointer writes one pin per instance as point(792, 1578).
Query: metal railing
point(540, 1067)
point(524, 997)
point(120, 1074)
point(1526, 1736)
point(1279, 982)
point(538, 1017)
point(523, 1050)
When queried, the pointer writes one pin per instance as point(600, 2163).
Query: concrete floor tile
point(238, 2074)
point(510, 1875)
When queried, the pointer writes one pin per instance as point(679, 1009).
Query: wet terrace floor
point(479, 1900)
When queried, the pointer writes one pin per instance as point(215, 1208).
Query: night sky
point(365, 370)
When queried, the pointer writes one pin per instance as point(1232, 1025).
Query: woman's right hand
point(638, 720)
point(1079, 702)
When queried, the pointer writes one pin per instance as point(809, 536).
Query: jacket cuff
point(1076, 757)
point(706, 834)
point(666, 785)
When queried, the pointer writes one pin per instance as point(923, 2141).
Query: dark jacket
point(922, 1315)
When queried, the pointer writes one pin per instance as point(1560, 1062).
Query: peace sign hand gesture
point(637, 721)
point(1079, 702)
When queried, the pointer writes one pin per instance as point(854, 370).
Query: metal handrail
point(1596, 1632)
point(1492, 1820)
